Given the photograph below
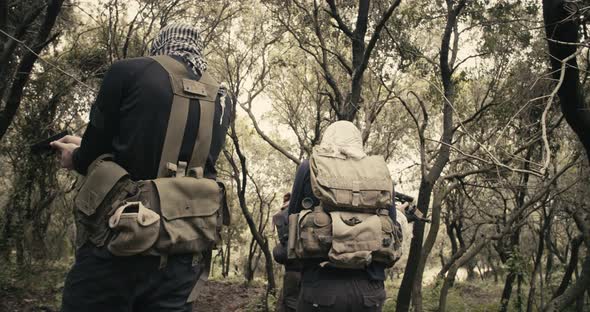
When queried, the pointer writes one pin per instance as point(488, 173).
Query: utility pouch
point(355, 236)
point(390, 250)
point(281, 223)
point(190, 211)
point(314, 235)
point(136, 229)
point(105, 183)
point(292, 240)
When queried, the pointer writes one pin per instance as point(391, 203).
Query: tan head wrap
point(343, 137)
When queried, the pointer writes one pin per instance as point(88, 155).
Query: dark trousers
point(99, 281)
point(342, 295)
point(290, 293)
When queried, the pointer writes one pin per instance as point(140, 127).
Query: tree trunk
point(449, 280)
point(573, 292)
point(428, 245)
point(538, 261)
point(240, 176)
point(25, 67)
point(571, 267)
point(561, 26)
point(507, 292)
point(427, 183)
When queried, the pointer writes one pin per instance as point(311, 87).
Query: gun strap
point(184, 89)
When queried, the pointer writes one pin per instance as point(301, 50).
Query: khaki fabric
point(191, 214)
point(391, 249)
point(105, 184)
point(314, 234)
point(205, 90)
point(355, 237)
point(136, 229)
point(293, 236)
point(126, 214)
point(343, 139)
point(344, 239)
point(102, 176)
point(355, 193)
point(345, 183)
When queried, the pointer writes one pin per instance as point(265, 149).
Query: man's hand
point(66, 146)
point(403, 206)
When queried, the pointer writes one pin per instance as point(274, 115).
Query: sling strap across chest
point(184, 89)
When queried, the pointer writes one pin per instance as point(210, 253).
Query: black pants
point(101, 282)
point(342, 295)
point(290, 293)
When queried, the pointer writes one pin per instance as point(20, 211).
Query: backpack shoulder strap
point(184, 89)
point(201, 149)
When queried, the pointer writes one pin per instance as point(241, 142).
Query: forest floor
point(228, 296)
point(40, 290)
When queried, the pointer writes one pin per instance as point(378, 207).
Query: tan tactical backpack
point(179, 212)
point(351, 227)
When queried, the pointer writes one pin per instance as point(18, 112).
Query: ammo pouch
point(191, 214)
point(164, 216)
point(136, 228)
point(314, 234)
point(344, 239)
point(361, 238)
point(106, 183)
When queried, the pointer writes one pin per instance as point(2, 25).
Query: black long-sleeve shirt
point(311, 270)
point(130, 117)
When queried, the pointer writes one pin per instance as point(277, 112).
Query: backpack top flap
point(350, 184)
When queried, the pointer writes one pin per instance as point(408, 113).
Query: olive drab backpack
point(351, 227)
point(180, 211)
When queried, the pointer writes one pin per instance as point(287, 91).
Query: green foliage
point(475, 296)
point(34, 289)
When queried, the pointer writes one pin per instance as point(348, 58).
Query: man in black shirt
point(129, 120)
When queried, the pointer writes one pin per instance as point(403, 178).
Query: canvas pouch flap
point(190, 210)
point(135, 229)
point(355, 236)
point(350, 184)
point(102, 176)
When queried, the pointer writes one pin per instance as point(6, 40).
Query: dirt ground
point(15, 301)
point(219, 296)
point(216, 296)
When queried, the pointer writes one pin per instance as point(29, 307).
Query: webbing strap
point(203, 144)
point(180, 83)
point(174, 134)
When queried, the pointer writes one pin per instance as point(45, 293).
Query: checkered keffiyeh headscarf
point(181, 40)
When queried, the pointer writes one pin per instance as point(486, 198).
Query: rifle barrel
point(403, 197)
